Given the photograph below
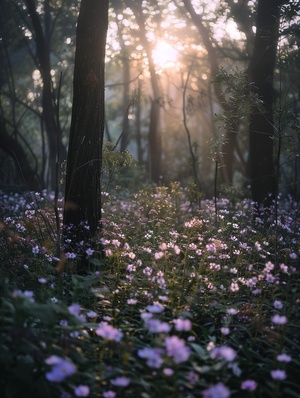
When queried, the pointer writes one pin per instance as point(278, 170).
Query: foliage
point(184, 304)
point(115, 165)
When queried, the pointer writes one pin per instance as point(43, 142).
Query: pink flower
point(225, 331)
point(158, 255)
point(163, 247)
point(168, 372)
point(176, 250)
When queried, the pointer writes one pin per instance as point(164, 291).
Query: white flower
point(279, 320)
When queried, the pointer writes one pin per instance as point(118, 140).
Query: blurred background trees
point(184, 91)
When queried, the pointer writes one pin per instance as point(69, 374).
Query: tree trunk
point(126, 98)
point(42, 40)
point(231, 143)
point(261, 71)
point(27, 176)
point(155, 146)
point(83, 193)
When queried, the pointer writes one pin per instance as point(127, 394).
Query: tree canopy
point(183, 85)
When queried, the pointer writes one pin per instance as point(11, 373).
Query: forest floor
point(175, 300)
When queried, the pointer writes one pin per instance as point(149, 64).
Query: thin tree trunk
point(230, 144)
point(155, 146)
point(43, 54)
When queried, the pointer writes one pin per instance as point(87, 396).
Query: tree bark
point(261, 71)
point(83, 192)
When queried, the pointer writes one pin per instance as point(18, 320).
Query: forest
point(149, 198)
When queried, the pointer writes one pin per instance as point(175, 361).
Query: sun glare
point(164, 55)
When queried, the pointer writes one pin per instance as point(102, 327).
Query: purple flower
point(92, 314)
point(153, 356)
point(74, 309)
point(223, 352)
point(109, 394)
point(182, 324)
point(121, 381)
point(156, 326)
point(89, 251)
point(278, 374)
point(27, 294)
point(82, 391)
point(284, 358)
point(192, 377)
point(249, 385)
point(35, 250)
point(278, 304)
point(146, 316)
point(108, 332)
point(177, 349)
point(61, 368)
point(217, 391)
point(155, 308)
point(131, 301)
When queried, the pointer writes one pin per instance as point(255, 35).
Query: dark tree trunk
point(27, 178)
point(261, 159)
point(83, 194)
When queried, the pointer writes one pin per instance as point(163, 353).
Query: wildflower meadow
point(176, 299)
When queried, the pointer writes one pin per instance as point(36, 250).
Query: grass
point(185, 303)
